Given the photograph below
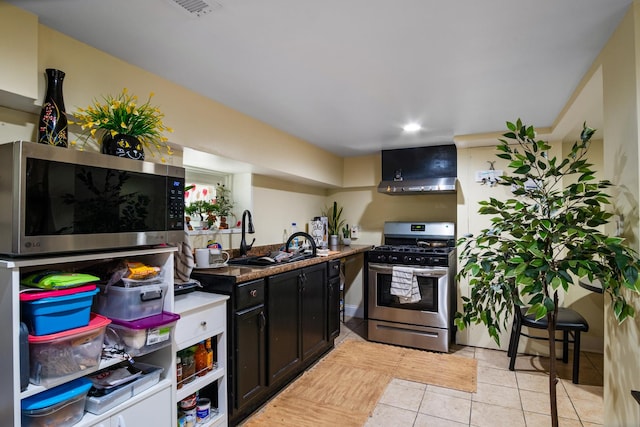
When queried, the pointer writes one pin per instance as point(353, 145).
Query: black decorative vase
point(52, 127)
point(122, 146)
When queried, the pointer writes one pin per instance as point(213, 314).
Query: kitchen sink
point(267, 261)
point(250, 261)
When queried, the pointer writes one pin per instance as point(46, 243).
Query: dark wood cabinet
point(333, 310)
point(297, 311)
point(313, 316)
point(249, 370)
point(278, 327)
point(333, 299)
point(249, 343)
point(284, 324)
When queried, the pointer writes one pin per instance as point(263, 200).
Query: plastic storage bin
point(56, 311)
point(56, 357)
point(58, 406)
point(143, 335)
point(101, 404)
point(131, 303)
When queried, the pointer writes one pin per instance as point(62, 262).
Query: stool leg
point(514, 345)
point(576, 357)
point(565, 346)
point(513, 334)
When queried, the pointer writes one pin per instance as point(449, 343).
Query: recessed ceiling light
point(412, 127)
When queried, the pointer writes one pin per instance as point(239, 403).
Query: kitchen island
point(282, 318)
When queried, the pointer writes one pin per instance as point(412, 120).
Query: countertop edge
point(246, 273)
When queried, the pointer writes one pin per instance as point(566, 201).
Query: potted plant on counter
point(346, 235)
point(223, 205)
point(335, 223)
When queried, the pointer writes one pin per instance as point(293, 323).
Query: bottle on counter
point(207, 345)
point(201, 359)
point(294, 229)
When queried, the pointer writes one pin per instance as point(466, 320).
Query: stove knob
point(420, 260)
point(406, 259)
point(381, 258)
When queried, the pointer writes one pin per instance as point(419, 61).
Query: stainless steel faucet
point(244, 248)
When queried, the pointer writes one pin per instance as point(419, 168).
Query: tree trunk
point(553, 377)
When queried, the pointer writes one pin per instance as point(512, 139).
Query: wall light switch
point(355, 231)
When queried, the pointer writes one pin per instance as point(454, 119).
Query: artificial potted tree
point(542, 241)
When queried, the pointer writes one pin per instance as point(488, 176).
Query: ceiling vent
point(197, 8)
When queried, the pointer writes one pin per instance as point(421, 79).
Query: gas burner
point(414, 249)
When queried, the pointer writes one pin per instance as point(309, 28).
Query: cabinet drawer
point(197, 325)
point(334, 268)
point(250, 294)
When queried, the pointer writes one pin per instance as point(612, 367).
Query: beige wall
point(208, 126)
point(620, 66)
point(199, 122)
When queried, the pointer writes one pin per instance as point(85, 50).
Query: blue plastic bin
point(56, 314)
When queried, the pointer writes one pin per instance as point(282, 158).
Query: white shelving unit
point(204, 315)
point(151, 407)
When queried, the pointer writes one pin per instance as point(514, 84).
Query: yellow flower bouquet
point(119, 116)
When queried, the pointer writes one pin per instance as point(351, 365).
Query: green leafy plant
point(334, 220)
point(223, 203)
point(542, 240)
point(200, 208)
point(121, 114)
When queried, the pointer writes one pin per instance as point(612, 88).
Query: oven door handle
point(424, 272)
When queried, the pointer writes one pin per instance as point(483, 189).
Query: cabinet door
point(333, 310)
point(249, 374)
point(314, 310)
point(283, 309)
point(154, 411)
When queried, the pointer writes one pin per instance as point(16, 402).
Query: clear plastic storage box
point(142, 336)
point(55, 357)
point(59, 406)
point(101, 404)
point(131, 303)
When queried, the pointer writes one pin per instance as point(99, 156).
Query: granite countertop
point(246, 273)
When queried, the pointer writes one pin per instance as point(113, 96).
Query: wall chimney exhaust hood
point(423, 170)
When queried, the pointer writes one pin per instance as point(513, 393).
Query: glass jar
point(188, 367)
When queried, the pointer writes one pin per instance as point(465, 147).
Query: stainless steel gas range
point(410, 286)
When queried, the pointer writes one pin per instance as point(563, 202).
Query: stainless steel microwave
point(55, 200)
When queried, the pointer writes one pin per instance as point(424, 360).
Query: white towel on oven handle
point(404, 284)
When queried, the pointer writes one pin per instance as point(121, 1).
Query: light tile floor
point(503, 398)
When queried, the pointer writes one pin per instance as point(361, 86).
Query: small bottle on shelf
point(207, 345)
point(179, 371)
point(188, 367)
point(201, 359)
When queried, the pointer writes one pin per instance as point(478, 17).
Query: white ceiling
point(346, 74)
